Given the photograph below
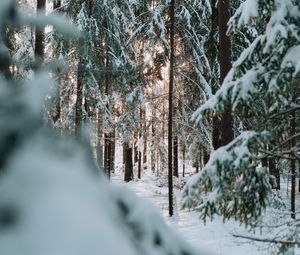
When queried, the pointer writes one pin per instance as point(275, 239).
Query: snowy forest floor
point(214, 236)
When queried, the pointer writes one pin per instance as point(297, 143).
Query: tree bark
point(183, 160)
point(107, 135)
point(128, 176)
point(175, 155)
point(274, 171)
point(170, 118)
point(79, 100)
point(153, 143)
point(136, 154)
point(225, 66)
point(99, 148)
point(213, 56)
point(139, 149)
point(57, 114)
point(293, 167)
point(144, 140)
point(113, 150)
point(205, 157)
point(40, 35)
point(56, 4)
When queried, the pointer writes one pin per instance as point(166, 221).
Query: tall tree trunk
point(183, 159)
point(128, 176)
point(139, 149)
point(107, 154)
point(175, 155)
point(144, 140)
point(213, 50)
point(197, 167)
point(113, 150)
point(293, 166)
point(274, 172)
point(99, 148)
point(107, 135)
point(205, 157)
point(40, 36)
point(57, 114)
point(153, 142)
point(225, 66)
point(79, 100)
point(170, 118)
point(135, 145)
point(124, 153)
point(175, 142)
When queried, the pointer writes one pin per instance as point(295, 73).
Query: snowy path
point(214, 236)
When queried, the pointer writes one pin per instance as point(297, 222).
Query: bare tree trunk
point(79, 100)
point(153, 143)
point(40, 36)
point(145, 140)
point(183, 160)
point(107, 135)
point(136, 154)
point(175, 156)
point(274, 171)
point(128, 176)
point(107, 154)
point(293, 167)
point(205, 157)
point(124, 153)
point(99, 148)
point(225, 66)
point(139, 149)
point(197, 167)
point(213, 56)
point(113, 150)
point(170, 118)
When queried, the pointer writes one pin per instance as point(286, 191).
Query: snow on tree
point(232, 183)
point(265, 74)
point(53, 200)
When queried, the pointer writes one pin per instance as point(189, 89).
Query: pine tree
point(170, 116)
point(264, 75)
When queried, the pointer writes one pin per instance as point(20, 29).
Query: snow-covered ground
point(214, 236)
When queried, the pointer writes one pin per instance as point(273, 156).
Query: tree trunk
point(225, 66)
point(79, 100)
point(128, 176)
point(170, 118)
point(113, 150)
point(136, 154)
point(197, 167)
point(175, 156)
point(56, 4)
point(153, 143)
point(99, 148)
point(58, 113)
point(139, 149)
point(274, 172)
point(107, 135)
point(124, 153)
point(107, 154)
point(205, 157)
point(40, 36)
point(293, 166)
point(213, 58)
point(144, 140)
point(183, 160)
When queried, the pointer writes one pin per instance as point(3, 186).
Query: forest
point(149, 127)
